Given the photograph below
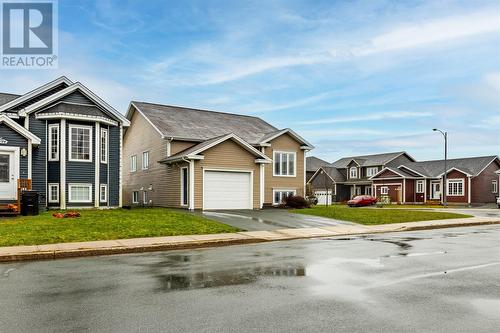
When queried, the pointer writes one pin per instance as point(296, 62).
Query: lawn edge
point(140, 245)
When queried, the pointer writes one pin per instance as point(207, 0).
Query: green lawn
point(105, 224)
point(372, 216)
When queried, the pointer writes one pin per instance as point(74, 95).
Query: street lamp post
point(445, 135)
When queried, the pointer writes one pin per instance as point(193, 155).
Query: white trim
point(74, 116)
point(133, 194)
point(72, 88)
point(35, 92)
point(469, 190)
point(262, 173)
point(317, 172)
point(49, 141)
point(62, 165)
point(106, 152)
point(238, 140)
point(145, 198)
point(458, 181)
point(287, 166)
point(105, 187)
point(404, 166)
point(487, 165)
point(182, 186)
point(494, 186)
point(391, 170)
point(282, 190)
point(419, 181)
point(12, 166)
point(228, 170)
point(386, 190)
point(371, 168)
point(292, 133)
point(30, 159)
point(191, 185)
point(350, 172)
point(404, 191)
point(403, 153)
point(49, 196)
point(456, 169)
point(71, 185)
point(169, 148)
point(143, 166)
point(133, 166)
point(70, 139)
point(129, 117)
point(20, 129)
point(97, 166)
point(304, 181)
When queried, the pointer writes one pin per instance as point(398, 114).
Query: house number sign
point(3, 141)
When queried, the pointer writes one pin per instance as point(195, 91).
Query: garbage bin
point(29, 203)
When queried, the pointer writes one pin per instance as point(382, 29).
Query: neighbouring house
point(350, 176)
point(197, 159)
point(63, 141)
point(469, 181)
point(313, 164)
point(398, 178)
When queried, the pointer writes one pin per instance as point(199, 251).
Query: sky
point(351, 77)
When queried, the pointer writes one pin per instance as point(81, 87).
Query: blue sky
point(352, 77)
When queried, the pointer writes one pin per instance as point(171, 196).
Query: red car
point(362, 200)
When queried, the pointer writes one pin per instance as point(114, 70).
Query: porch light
point(24, 152)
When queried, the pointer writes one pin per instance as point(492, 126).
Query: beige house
point(197, 159)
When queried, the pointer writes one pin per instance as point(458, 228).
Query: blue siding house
point(67, 141)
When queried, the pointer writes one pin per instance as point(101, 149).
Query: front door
point(9, 173)
point(435, 190)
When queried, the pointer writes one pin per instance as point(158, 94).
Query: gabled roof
point(200, 125)
point(20, 129)
point(332, 173)
point(313, 163)
point(369, 160)
point(472, 165)
point(273, 135)
point(399, 172)
point(72, 88)
point(34, 93)
point(193, 152)
point(5, 98)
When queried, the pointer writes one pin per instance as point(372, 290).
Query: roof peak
point(459, 158)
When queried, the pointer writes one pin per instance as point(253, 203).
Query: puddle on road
point(252, 218)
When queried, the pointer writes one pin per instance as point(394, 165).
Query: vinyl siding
point(177, 146)
point(113, 166)
point(284, 143)
point(39, 157)
point(141, 136)
point(173, 184)
point(227, 155)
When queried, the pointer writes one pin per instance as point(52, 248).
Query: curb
point(197, 241)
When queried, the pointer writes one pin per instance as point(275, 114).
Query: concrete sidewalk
point(68, 250)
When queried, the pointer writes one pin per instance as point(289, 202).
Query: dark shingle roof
point(313, 163)
point(334, 173)
point(470, 165)
point(6, 98)
point(367, 160)
point(201, 125)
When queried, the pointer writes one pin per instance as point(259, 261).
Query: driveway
point(269, 219)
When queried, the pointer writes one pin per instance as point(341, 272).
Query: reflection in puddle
point(200, 280)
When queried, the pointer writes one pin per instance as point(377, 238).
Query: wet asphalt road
point(444, 280)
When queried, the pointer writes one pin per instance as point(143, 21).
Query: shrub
point(296, 201)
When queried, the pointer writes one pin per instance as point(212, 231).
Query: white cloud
point(369, 117)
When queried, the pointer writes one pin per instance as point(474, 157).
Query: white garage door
point(324, 197)
point(227, 190)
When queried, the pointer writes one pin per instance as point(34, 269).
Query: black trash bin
point(29, 203)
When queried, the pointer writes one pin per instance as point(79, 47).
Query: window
point(455, 187)
point(384, 190)
point(104, 145)
point(135, 197)
point(280, 195)
point(145, 198)
point(133, 163)
point(372, 171)
point(80, 143)
point(494, 186)
point(53, 193)
point(53, 142)
point(353, 172)
point(80, 193)
point(184, 187)
point(284, 164)
point(103, 193)
point(420, 186)
point(368, 190)
point(145, 160)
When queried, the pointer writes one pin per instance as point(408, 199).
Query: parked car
point(362, 200)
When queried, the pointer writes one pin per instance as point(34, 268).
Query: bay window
point(53, 142)
point(80, 193)
point(104, 145)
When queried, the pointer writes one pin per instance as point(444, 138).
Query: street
point(445, 280)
